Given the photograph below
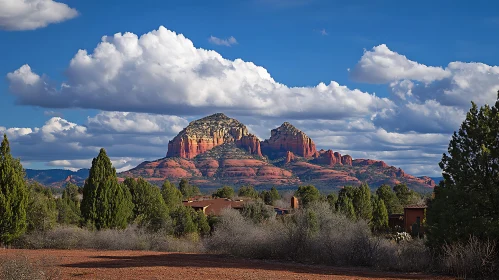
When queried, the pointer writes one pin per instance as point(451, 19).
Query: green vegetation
point(247, 191)
point(68, 206)
point(224, 192)
point(466, 203)
point(41, 214)
point(14, 195)
point(307, 195)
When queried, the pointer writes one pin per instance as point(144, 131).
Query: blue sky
point(300, 43)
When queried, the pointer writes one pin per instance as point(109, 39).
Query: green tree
point(258, 211)
point(224, 192)
point(247, 191)
point(41, 213)
point(332, 199)
point(466, 202)
point(171, 195)
point(380, 215)
point(362, 203)
point(184, 220)
point(149, 210)
point(390, 199)
point(13, 195)
point(187, 189)
point(345, 206)
point(68, 206)
point(405, 195)
point(202, 223)
point(106, 203)
point(307, 195)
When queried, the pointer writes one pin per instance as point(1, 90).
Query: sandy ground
point(90, 264)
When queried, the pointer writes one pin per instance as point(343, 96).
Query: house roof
point(215, 206)
point(415, 207)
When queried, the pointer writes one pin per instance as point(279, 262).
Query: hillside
point(218, 150)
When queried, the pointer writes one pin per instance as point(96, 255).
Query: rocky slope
point(218, 150)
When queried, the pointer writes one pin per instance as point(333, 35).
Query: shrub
point(475, 259)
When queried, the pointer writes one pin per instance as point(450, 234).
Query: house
point(414, 214)
point(214, 206)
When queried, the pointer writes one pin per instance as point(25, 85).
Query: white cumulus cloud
point(33, 14)
point(162, 72)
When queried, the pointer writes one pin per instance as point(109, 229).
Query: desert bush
point(20, 268)
point(473, 259)
point(410, 255)
point(131, 238)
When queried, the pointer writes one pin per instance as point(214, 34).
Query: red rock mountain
point(218, 150)
point(204, 134)
point(288, 138)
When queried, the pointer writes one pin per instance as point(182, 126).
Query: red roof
point(215, 206)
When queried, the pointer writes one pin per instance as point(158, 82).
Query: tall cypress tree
point(171, 195)
point(106, 203)
point(13, 195)
point(380, 214)
point(362, 203)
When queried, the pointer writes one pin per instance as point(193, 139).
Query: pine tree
point(332, 200)
point(68, 206)
point(171, 195)
point(307, 195)
point(380, 215)
point(149, 210)
point(247, 191)
point(362, 203)
point(224, 192)
point(345, 206)
point(390, 199)
point(13, 195)
point(106, 203)
point(467, 201)
point(41, 213)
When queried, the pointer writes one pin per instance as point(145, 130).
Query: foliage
point(184, 220)
point(171, 195)
point(42, 212)
point(13, 195)
point(68, 206)
point(466, 203)
point(362, 203)
point(270, 197)
point(405, 195)
point(187, 189)
point(380, 215)
point(149, 207)
point(307, 195)
point(257, 211)
point(106, 203)
point(202, 223)
point(247, 191)
point(224, 192)
point(332, 199)
point(390, 199)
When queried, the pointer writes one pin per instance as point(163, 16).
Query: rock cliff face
point(331, 158)
point(217, 150)
point(288, 138)
point(204, 134)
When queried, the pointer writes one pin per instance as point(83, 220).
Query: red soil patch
point(90, 264)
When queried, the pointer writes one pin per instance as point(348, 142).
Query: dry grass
point(20, 267)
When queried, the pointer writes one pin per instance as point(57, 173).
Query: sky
point(386, 80)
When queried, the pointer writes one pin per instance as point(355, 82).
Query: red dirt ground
point(90, 264)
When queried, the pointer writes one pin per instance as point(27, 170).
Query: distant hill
point(437, 179)
point(57, 177)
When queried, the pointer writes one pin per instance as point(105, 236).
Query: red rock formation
point(288, 138)
point(204, 134)
point(290, 157)
point(346, 160)
point(378, 163)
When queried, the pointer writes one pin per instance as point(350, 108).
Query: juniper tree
point(224, 192)
point(171, 195)
point(380, 215)
point(308, 194)
point(106, 203)
point(149, 210)
point(13, 195)
point(466, 202)
point(247, 191)
point(390, 199)
point(362, 203)
point(69, 206)
point(41, 214)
